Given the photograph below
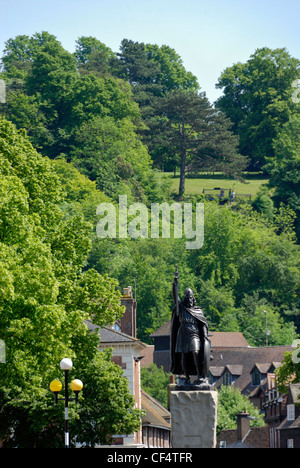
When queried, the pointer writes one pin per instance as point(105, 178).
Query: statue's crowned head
point(189, 297)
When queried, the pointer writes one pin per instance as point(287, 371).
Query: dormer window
point(227, 378)
point(256, 377)
point(231, 374)
point(215, 374)
point(259, 374)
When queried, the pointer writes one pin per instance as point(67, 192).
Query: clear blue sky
point(208, 35)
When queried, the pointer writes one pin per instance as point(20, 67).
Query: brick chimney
point(128, 321)
point(243, 425)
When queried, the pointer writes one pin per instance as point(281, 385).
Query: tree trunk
point(182, 174)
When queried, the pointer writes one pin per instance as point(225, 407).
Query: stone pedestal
point(194, 418)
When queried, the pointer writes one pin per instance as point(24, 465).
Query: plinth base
point(194, 418)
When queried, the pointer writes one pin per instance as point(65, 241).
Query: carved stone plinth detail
point(194, 418)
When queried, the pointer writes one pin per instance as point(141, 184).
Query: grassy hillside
point(195, 185)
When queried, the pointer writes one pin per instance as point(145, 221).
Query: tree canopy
point(46, 297)
point(284, 168)
point(197, 135)
point(257, 97)
point(230, 403)
point(78, 129)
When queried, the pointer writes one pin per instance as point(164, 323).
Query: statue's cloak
point(176, 358)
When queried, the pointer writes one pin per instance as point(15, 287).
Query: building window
point(291, 412)
point(227, 378)
point(256, 377)
point(212, 379)
point(116, 327)
point(162, 343)
point(290, 443)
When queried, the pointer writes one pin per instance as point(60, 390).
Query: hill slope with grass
point(203, 181)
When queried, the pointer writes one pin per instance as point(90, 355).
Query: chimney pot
point(243, 425)
point(128, 321)
point(127, 292)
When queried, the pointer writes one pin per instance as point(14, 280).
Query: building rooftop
point(156, 415)
point(109, 335)
point(257, 437)
point(241, 362)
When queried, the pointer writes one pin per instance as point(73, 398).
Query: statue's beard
point(189, 302)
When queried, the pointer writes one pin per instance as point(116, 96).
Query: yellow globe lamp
point(76, 385)
point(55, 386)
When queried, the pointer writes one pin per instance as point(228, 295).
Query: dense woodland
point(82, 128)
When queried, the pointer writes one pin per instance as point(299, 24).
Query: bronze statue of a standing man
point(190, 345)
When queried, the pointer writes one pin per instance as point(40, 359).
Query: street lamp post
point(56, 386)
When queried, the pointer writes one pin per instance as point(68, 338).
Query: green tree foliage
point(264, 204)
point(289, 372)
point(230, 403)
point(93, 96)
point(19, 53)
point(151, 262)
point(257, 316)
point(243, 253)
point(257, 97)
point(284, 168)
point(40, 104)
point(180, 123)
point(155, 382)
point(109, 112)
point(243, 265)
point(60, 92)
point(153, 70)
point(81, 194)
point(68, 108)
point(134, 65)
point(107, 390)
point(93, 56)
point(172, 74)
point(46, 298)
point(110, 153)
point(199, 136)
